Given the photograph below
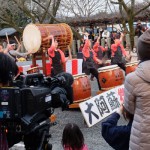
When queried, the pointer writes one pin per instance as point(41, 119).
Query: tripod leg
point(42, 140)
point(44, 144)
point(48, 147)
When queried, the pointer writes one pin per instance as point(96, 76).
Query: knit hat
point(143, 47)
point(12, 42)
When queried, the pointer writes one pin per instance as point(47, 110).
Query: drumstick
point(104, 59)
point(17, 40)
point(7, 38)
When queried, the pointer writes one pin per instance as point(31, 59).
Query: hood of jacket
point(143, 70)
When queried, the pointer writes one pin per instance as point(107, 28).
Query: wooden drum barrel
point(81, 88)
point(130, 67)
point(110, 76)
point(34, 35)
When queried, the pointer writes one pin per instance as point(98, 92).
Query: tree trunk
point(131, 34)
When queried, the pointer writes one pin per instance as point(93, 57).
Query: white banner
point(102, 105)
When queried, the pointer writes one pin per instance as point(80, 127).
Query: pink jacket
point(96, 46)
point(86, 51)
point(114, 48)
point(69, 148)
point(52, 54)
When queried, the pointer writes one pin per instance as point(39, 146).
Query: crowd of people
point(95, 57)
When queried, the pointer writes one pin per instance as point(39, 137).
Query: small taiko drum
point(110, 76)
point(81, 88)
point(33, 70)
point(130, 67)
point(35, 36)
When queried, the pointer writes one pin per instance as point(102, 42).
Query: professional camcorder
point(26, 107)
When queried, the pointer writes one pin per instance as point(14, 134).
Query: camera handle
point(44, 142)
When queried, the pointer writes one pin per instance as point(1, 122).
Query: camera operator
point(139, 30)
point(8, 70)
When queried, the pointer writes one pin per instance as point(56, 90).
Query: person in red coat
point(57, 57)
point(118, 53)
point(89, 60)
point(99, 51)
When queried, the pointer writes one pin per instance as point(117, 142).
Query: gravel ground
point(92, 135)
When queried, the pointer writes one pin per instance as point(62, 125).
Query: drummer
point(98, 49)
point(57, 57)
point(89, 60)
point(118, 53)
point(13, 52)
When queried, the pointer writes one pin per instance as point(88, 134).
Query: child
point(117, 136)
point(72, 138)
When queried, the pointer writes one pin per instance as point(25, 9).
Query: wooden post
point(109, 42)
point(128, 44)
point(103, 42)
point(135, 41)
point(78, 44)
point(34, 59)
point(44, 61)
point(40, 56)
point(74, 47)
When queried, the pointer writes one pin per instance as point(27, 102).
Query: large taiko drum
point(81, 88)
point(34, 35)
point(130, 67)
point(110, 76)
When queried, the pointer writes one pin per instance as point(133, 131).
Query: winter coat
point(116, 136)
point(137, 102)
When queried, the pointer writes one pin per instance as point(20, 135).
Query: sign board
point(102, 105)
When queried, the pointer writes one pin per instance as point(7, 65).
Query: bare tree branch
point(139, 11)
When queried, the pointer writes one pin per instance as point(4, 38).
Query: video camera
point(30, 103)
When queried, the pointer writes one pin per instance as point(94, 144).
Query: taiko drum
point(130, 67)
point(33, 70)
point(81, 88)
point(34, 35)
point(110, 76)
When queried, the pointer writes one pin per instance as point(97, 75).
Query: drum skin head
point(132, 63)
point(31, 38)
point(111, 67)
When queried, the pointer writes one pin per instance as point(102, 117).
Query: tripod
point(38, 139)
point(36, 135)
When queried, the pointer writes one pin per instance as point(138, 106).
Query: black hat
point(12, 42)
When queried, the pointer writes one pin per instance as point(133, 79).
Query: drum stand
point(42, 55)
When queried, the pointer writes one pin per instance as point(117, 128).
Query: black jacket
point(116, 136)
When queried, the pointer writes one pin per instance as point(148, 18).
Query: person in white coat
point(137, 96)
